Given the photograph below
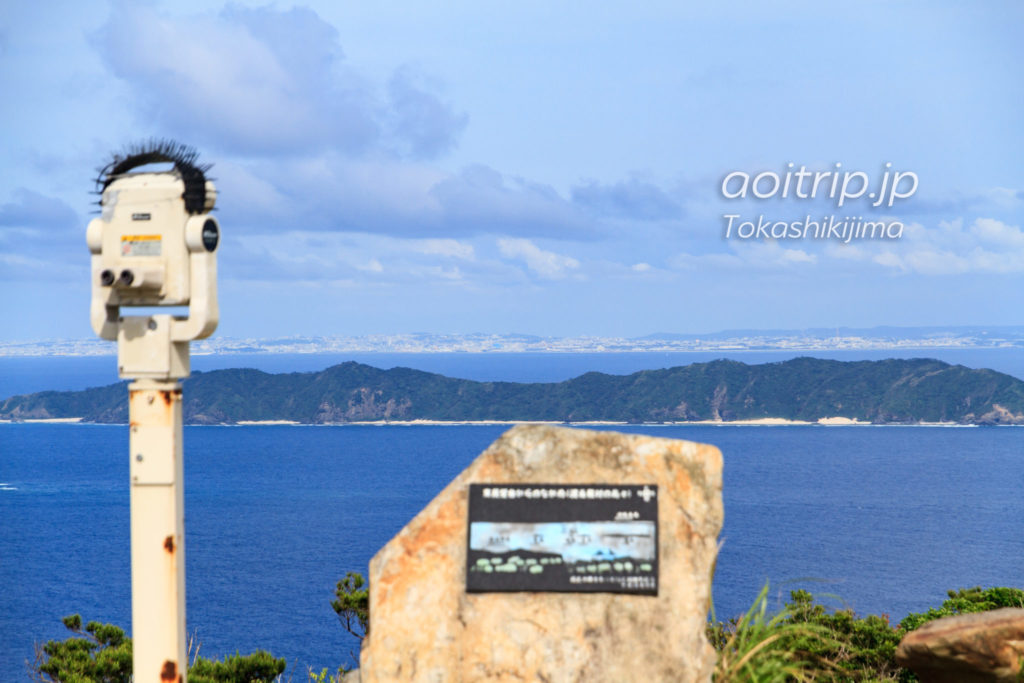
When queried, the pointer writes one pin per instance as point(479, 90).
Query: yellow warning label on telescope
point(140, 245)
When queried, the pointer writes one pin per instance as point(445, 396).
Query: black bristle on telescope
point(155, 151)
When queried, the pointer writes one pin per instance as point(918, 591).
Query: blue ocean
point(881, 519)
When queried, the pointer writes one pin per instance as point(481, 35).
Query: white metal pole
point(158, 532)
point(155, 244)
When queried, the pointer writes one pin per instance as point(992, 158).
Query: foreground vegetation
point(802, 641)
point(101, 653)
point(884, 392)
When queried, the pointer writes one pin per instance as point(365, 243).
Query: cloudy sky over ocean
point(535, 167)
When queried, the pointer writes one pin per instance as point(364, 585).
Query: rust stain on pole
point(169, 672)
point(169, 544)
point(146, 411)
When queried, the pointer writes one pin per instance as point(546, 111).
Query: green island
point(915, 391)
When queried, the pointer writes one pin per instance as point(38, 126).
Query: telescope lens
point(211, 235)
point(107, 278)
point(127, 278)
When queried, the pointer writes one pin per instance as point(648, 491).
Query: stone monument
point(558, 555)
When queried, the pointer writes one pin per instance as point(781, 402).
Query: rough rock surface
point(425, 627)
point(968, 648)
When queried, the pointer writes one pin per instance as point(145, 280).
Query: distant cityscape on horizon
point(813, 339)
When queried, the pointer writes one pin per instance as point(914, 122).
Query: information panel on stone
point(563, 538)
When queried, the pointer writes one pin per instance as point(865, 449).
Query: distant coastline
point(800, 391)
point(807, 340)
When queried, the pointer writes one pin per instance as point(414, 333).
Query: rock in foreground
point(985, 647)
point(426, 627)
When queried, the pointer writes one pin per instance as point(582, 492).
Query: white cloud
point(545, 264)
point(747, 255)
point(423, 125)
point(632, 199)
point(481, 199)
point(997, 233)
point(985, 246)
point(40, 234)
point(21, 268)
point(332, 192)
point(445, 247)
point(796, 256)
point(641, 267)
point(303, 140)
point(261, 81)
point(32, 210)
point(846, 252)
point(887, 258)
point(360, 258)
point(1003, 197)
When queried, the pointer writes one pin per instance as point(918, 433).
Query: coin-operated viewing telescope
point(155, 244)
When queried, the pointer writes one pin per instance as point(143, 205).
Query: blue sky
point(535, 167)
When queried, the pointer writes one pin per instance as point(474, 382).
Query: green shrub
point(758, 649)
point(806, 641)
point(352, 604)
point(103, 654)
point(967, 601)
point(857, 649)
point(260, 666)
